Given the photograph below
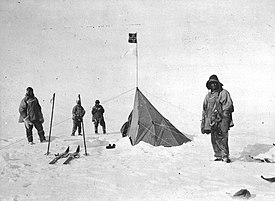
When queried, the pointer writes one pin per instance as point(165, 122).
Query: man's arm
point(226, 101)
point(102, 109)
point(94, 110)
point(23, 109)
point(83, 112)
point(205, 103)
point(74, 112)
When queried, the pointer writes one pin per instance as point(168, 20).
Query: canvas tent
point(146, 124)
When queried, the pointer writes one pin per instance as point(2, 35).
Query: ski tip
point(52, 161)
point(65, 163)
point(78, 148)
point(271, 179)
point(262, 177)
point(68, 149)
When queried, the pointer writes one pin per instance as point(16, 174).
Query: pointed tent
point(146, 124)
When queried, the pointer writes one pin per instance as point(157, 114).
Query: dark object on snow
point(271, 179)
point(111, 146)
point(73, 156)
point(243, 193)
point(218, 159)
point(265, 160)
point(62, 155)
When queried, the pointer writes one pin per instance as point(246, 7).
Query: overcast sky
point(72, 47)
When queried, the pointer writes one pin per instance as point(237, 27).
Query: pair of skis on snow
point(66, 154)
point(265, 160)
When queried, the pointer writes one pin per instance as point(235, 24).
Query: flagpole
point(136, 64)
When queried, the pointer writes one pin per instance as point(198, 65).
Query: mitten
point(41, 119)
point(27, 122)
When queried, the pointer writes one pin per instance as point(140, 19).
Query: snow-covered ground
point(71, 47)
point(142, 172)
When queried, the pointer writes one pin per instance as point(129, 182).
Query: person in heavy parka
point(31, 115)
point(217, 117)
point(97, 118)
point(78, 113)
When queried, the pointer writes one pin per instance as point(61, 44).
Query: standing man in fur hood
point(217, 117)
point(98, 118)
point(31, 114)
point(78, 113)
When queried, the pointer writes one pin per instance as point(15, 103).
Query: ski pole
point(86, 154)
point(83, 130)
point(48, 152)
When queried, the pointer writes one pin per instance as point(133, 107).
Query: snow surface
point(72, 47)
point(142, 172)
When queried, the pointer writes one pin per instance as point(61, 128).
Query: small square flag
point(132, 38)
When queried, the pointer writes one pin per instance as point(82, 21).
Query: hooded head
point(213, 78)
point(29, 92)
point(97, 102)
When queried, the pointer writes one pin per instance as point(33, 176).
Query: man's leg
point(74, 127)
point(29, 133)
point(224, 137)
point(79, 127)
point(222, 143)
point(39, 128)
point(96, 126)
point(216, 148)
point(102, 123)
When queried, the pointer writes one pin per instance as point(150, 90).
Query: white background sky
point(77, 47)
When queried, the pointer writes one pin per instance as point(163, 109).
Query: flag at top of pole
point(132, 38)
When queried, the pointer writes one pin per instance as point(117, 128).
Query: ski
point(265, 160)
point(272, 179)
point(73, 156)
point(62, 155)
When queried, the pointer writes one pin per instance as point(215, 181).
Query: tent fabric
point(146, 124)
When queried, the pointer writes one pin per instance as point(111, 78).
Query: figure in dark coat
point(78, 113)
point(31, 114)
point(217, 117)
point(97, 112)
